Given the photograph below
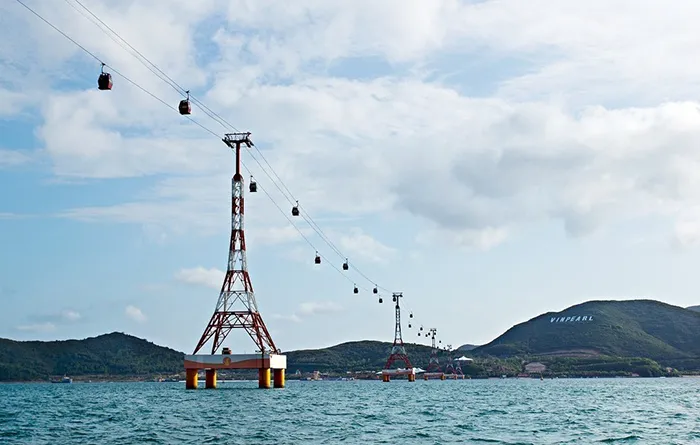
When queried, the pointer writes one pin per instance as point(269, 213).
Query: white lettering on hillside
point(572, 319)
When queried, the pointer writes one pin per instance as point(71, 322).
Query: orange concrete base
point(278, 377)
point(191, 379)
point(210, 379)
point(264, 378)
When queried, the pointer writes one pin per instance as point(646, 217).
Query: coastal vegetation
point(617, 338)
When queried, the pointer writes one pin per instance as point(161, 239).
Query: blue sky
point(490, 160)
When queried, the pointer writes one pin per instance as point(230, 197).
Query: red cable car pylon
point(398, 350)
point(236, 307)
point(434, 364)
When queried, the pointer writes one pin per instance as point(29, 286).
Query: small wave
point(621, 439)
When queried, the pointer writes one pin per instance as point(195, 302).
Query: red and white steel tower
point(434, 364)
point(398, 350)
point(236, 307)
point(449, 368)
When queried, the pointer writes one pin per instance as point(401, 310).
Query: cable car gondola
point(374, 291)
point(356, 290)
point(345, 265)
point(409, 326)
point(317, 260)
point(104, 82)
point(253, 187)
point(410, 315)
point(295, 210)
point(185, 107)
point(380, 300)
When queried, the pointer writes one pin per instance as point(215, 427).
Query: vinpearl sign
point(573, 319)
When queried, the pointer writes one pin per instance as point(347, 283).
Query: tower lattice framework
point(434, 364)
point(449, 368)
point(398, 350)
point(458, 368)
point(236, 307)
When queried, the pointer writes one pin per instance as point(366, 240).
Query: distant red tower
point(236, 307)
point(449, 368)
point(398, 350)
point(434, 364)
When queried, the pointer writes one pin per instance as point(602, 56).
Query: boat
point(65, 379)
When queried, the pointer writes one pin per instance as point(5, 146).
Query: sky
point(492, 160)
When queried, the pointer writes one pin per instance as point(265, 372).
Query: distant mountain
point(109, 354)
point(637, 328)
point(467, 347)
point(694, 308)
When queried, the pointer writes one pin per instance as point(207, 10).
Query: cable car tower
point(433, 370)
point(449, 368)
point(236, 307)
point(398, 350)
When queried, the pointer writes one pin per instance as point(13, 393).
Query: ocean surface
point(507, 411)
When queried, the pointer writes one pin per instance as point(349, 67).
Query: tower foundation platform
point(211, 363)
point(387, 374)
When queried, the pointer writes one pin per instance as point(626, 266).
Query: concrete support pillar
point(411, 377)
point(264, 378)
point(191, 379)
point(278, 376)
point(442, 377)
point(386, 378)
point(210, 379)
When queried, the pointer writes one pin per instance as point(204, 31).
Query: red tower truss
point(398, 351)
point(449, 368)
point(236, 307)
point(434, 364)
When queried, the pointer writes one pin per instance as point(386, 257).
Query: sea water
point(502, 411)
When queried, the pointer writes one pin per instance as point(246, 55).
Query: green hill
point(636, 328)
point(356, 356)
point(110, 354)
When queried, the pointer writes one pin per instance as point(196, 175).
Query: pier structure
point(433, 370)
point(236, 307)
point(398, 350)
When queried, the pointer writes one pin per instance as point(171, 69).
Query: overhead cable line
point(284, 190)
point(207, 129)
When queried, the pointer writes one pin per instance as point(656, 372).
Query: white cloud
point(11, 158)
point(70, 315)
point(541, 148)
point(135, 314)
point(38, 327)
point(359, 244)
point(201, 276)
point(309, 309)
point(293, 317)
point(319, 307)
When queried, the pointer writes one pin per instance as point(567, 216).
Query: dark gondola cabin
point(356, 290)
point(380, 299)
point(253, 187)
point(345, 265)
point(317, 260)
point(104, 82)
point(295, 210)
point(185, 107)
point(374, 291)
